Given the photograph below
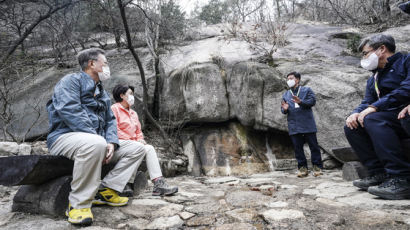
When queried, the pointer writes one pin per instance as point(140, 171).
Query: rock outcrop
point(214, 81)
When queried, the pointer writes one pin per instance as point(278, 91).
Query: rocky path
point(276, 200)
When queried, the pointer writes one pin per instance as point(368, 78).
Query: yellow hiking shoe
point(109, 197)
point(317, 171)
point(302, 172)
point(82, 216)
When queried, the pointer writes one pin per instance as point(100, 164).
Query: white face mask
point(371, 62)
point(105, 74)
point(291, 83)
point(130, 100)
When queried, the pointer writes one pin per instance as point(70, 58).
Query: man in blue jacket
point(83, 128)
point(373, 129)
point(297, 104)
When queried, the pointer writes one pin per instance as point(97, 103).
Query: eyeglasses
point(365, 53)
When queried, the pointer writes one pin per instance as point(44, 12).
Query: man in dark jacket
point(297, 104)
point(373, 129)
point(83, 128)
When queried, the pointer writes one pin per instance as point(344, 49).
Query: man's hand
point(109, 154)
point(285, 105)
point(142, 141)
point(364, 113)
point(404, 111)
point(296, 99)
point(351, 121)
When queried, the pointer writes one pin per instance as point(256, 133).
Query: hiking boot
point(82, 216)
point(128, 190)
point(161, 188)
point(317, 171)
point(392, 189)
point(109, 197)
point(303, 172)
point(366, 182)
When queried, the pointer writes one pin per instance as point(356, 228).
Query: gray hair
point(378, 40)
point(88, 54)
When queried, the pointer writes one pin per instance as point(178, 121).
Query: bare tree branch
point(142, 74)
point(33, 25)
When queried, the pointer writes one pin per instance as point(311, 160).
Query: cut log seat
point(33, 169)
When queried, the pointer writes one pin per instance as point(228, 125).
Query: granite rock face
point(214, 81)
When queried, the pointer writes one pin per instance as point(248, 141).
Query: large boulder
point(255, 91)
point(196, 94)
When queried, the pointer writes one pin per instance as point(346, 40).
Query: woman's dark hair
point(120, 89)
point(296, 74)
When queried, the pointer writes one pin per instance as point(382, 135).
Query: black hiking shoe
point(161, 188)
point(392, 189)
point(128, 190)
point(366, 182)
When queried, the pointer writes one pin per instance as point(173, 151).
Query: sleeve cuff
point(374, 107)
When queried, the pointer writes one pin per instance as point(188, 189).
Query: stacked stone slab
point(352, 168)
point(45, 181)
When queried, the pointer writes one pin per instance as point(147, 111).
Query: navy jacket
point(300, 120)
point(394, 84)
point(80, 105)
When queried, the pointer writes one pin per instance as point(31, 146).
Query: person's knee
point(370, 120)
point(149, 149)
point(99, 144)
point(138, 150)
point(405, 123)
point(348, 131)
point(94, 147)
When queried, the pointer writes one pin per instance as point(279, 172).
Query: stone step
point(353, 170)
point(346, 154)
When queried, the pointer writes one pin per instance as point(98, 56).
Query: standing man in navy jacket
point(297, 104)
point(373, 129)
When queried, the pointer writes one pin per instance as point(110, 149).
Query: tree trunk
point(142, 74)
point(278, 9)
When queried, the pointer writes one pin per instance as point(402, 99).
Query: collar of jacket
point(123, 108)
point(295, 91)
point(390, 62)
point(84, 74)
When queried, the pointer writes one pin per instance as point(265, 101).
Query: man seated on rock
point(129, 130)
point(297, 104)
point(83, 128)
point(373, 129)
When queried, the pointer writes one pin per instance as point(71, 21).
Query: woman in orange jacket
point(129, 128)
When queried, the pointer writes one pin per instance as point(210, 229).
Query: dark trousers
point(378, 144)
point(298, 142)
point(405, 124)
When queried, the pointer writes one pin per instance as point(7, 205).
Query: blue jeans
point(378, 144)
point(298, 142)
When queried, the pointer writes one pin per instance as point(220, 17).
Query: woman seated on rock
point(129, 128)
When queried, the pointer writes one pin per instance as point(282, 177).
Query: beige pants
point(151, 159)
point(88, 152)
